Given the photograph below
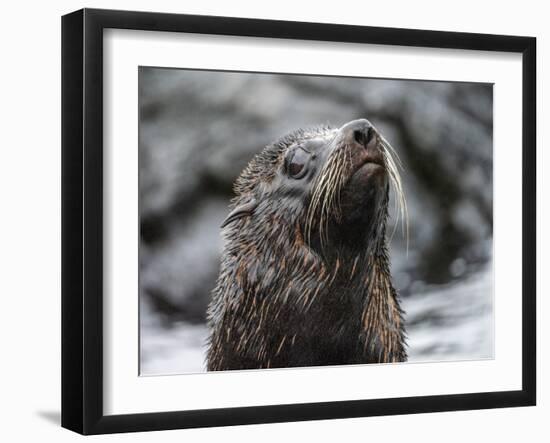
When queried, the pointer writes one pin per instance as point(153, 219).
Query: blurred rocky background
point(198, 130)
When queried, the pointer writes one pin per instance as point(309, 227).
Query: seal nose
point(359, 131)
point(363, 139)
point(363, 135)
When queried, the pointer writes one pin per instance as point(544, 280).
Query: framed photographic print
point(269, 221)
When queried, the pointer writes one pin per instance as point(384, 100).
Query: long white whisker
point(395, 179)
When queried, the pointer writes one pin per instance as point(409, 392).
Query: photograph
point(292, 220)
point(266, 222)
point(274, 221)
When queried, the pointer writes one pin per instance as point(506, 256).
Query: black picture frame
point(82, 220)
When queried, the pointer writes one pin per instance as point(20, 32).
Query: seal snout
point(364, 135)
point(364, 140)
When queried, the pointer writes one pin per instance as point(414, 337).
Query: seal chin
point(363, 195)
point(370, 173)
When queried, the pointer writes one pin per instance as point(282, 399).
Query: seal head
point(304, 278)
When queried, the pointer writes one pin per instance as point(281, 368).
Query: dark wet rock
point(177, 273)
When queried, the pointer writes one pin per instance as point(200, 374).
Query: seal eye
point(296, 163)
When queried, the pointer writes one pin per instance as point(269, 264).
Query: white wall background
point(30, 219)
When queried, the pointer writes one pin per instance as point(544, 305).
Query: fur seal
point(305, 274)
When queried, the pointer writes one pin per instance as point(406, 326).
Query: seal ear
point(240, 211)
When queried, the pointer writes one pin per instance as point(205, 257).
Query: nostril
point(370, 134)
point(363, 136)
point(359, 137)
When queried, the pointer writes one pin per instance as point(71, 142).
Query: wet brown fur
point(291, 292)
